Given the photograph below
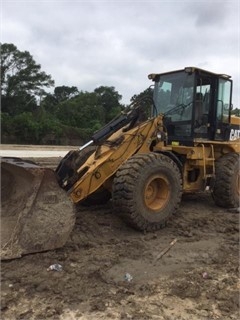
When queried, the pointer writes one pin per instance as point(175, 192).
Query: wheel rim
point(156, 193)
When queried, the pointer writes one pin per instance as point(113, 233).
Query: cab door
point(204, 107)
point(223, 107)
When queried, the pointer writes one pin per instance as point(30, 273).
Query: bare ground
point(196, 279)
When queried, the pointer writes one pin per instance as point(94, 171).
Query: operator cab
point(195, 103)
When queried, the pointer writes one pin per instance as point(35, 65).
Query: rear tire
point(226, 190)
point(147, 191)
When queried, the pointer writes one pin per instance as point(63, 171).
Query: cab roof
point(154, 76)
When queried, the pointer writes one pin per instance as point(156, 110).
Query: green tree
point(90, 110)
point(236, 112)
point(80, 111)
point(109, 99)
point(21, 80)
point(145, 100)
point(63, 93)
point(59, 115)
point(145, 96)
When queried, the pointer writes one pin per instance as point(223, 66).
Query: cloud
point(213, 14)
point(118, 43)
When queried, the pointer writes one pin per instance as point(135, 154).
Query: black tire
point(147, 191)
point(226, 189)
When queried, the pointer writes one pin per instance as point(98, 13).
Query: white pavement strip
point(33, 153)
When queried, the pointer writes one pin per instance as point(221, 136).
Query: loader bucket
point(36, 214)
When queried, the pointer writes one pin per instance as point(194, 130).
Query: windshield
point(173, 95)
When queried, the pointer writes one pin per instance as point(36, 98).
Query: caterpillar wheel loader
point(143, 160)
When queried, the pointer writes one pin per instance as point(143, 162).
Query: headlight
point(161, 136)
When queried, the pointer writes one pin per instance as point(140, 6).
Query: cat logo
point(234, 134)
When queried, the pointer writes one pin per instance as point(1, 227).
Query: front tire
point(147, 190)
point(226, 190)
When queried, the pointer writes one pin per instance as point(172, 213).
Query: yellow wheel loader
point(143, 160)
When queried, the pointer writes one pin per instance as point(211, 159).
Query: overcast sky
point(118, 43)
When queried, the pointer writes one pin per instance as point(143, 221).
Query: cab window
point(173, 96)
point(223, 102)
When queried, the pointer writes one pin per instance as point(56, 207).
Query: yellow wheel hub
point(156, 194)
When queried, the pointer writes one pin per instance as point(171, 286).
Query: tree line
point(32, 115)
